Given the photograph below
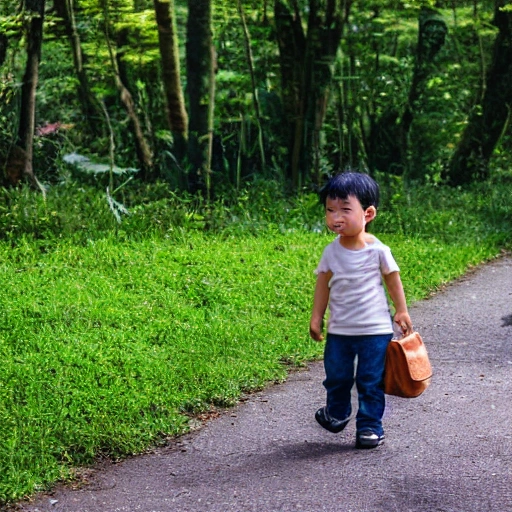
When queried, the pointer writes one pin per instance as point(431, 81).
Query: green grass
point(107, 347)
point(111, 342)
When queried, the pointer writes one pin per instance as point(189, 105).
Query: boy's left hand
point(403, 320)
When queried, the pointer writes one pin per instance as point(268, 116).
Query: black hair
point(350, 183)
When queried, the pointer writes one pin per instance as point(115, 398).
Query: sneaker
point(368, 439)
point(329, 423)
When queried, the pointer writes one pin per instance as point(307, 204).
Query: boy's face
point(346, 217)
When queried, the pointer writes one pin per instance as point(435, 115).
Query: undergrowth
point(113, 335)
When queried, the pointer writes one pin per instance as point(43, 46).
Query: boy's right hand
point(315, 330)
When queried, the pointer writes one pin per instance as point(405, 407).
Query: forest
point(207, 95)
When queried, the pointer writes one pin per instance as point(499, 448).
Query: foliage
point(441, 213)
point(371, 84)
point(79, 211)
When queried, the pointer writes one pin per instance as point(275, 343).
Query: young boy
point(350, 279)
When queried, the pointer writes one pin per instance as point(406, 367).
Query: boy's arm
point(396, 292)
point(320, 301)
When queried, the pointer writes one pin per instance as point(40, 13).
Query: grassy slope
point(108, 346)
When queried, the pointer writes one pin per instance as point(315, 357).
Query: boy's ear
point(370, 213)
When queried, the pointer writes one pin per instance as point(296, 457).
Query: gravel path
point(447, 450)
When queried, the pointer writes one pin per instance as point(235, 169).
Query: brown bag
point(407, 371)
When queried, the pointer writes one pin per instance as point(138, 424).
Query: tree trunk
point(168, 42)
point(486, 124)
point(4, 43)
point(325, 28)
point(144, 153)
point(90, 106)
point(200, 91)
point(34, 9)
point(431, 37)
point(389, 137)
point(250, 64)
point(306, 62)
point(291, 41)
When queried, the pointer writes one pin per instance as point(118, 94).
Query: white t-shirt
point(357, 301)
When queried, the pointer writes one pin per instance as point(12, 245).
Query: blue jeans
point(339, 362)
